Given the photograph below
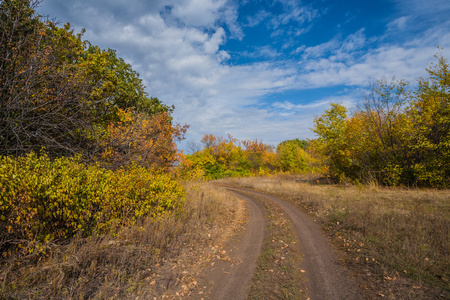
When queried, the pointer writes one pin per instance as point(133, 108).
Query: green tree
point(292, 157)
point(331, 128)
point(66, 95)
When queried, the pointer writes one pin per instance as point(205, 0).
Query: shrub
point(43, 199)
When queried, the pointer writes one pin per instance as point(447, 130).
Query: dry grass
point(152, 259)
point(395, 240)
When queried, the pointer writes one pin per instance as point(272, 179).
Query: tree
point(61, 93)
point(292, 157)
point(429, 142)
point(259, 155)
point(146, 141)
point(396, 137)
point(330, 128)
point(383, 127)
point(43, 95)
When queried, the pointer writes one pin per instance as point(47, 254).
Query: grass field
point(395, 240)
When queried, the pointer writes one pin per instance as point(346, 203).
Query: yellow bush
point(43, 199)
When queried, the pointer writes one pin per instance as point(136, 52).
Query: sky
point(262, 69)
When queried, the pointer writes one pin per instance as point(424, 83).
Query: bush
point(43, 199)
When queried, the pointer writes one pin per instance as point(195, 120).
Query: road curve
point(232, 280)
point(327, 279)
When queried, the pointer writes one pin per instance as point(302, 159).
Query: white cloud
point(200, 13)
point(176, 47)
point(256, 19)
point(211, 46)
point(398, 24)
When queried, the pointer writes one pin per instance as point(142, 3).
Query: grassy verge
point(395, 240)
point(151, 259)
point(278, 274)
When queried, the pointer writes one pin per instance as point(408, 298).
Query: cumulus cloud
point(178, 48)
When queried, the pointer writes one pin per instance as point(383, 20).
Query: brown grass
point(149, 260)
point(395, 240)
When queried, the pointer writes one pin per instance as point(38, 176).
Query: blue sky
point(262, 69)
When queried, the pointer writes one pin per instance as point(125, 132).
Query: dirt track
point(326, 278)
point(231, 279)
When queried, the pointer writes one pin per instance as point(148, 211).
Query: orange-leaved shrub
point(43, 199)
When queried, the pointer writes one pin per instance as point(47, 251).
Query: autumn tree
point(331, 129)
point(43, 96)
point(146, 141)
point(228, 157)
point(429, 140)
point(397, 136)
point(260, 156)
point(69, 96)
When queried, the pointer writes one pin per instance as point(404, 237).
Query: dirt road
point(326, 278)
point(231, 279)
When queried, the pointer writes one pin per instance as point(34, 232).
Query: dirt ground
point(326, 279)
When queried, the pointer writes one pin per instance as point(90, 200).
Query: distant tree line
point(228, 157)
point(397, 135)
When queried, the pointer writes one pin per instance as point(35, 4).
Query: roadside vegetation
point(155, 257)
point(395, 240)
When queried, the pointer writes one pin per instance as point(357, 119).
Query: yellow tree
point(260, 156)
point(429, 142)
point(292, 157)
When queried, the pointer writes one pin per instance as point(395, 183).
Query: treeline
point(228, 157)
point(83, 148)
point(396, 136)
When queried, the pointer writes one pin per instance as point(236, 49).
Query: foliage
point(429, 144)
point(292, 156)
point(43, 96)
point(62, 93)
point(43, 199)
point(220, 157)
point(147, 141)
point(331, 128)
point(260, 156)
point(227, 157)
point(397, 136)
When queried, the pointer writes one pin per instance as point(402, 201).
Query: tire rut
point(232, 280)
point(326, 278)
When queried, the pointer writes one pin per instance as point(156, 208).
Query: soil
point(230, 278)
point(326, 278)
